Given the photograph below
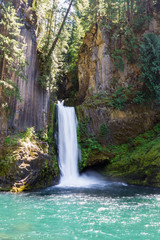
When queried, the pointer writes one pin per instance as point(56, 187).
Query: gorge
point(103, 58)
point(117, 110)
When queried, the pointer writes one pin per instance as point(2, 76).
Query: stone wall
point(33, 109)
point(97, 74)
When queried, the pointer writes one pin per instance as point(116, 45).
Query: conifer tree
point(11, 51)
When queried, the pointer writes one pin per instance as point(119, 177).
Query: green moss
point(137, 162)
point(26, 150)
point(3, 189)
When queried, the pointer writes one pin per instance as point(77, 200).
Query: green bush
point(140, 97)
point(11, 51)
point(87, 148)
point(131, 45)
point(137, 162)
point(103, 133)
point(149, 63)
point(83, 129)
point(119, 98)
point(118, 59)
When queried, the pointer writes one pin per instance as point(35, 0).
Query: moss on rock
point(137, 162)
point(25, 163)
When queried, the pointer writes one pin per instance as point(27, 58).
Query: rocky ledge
point(25, 164)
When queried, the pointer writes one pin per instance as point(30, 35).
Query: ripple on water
point(119, 212)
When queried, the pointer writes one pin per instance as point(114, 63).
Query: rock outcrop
point(110, 120)
point(25, 163)
point(98, 81)
point(96, 70)
point(33, 109)
point(122, 124)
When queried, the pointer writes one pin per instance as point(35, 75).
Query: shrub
point(118, 59)
point(149, 63)
point(119, 98)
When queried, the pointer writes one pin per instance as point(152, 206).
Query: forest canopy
point(60, 28)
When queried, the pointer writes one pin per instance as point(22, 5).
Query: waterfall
point(67, 144)
point(68, 150)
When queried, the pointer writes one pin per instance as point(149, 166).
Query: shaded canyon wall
point(33, 109)
point(97, 75)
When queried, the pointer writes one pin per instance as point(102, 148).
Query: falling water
point(67, 144)
point(68, 151)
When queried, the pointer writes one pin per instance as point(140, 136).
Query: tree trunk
point(132, 4)
point(59, 32)
point(149, 6)
point(3, 69)
point(128, 11)
point(50, 25)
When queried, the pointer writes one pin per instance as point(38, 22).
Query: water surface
point(113, 211)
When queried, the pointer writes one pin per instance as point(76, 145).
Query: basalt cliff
point(33, 109)
point(25, 163)
point(118, 136)
point(111, 123)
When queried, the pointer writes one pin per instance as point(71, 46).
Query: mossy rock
point(25, 164)
point(139, 164)
point(99, 157)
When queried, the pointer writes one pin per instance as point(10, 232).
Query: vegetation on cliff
point(132, 45)
point(149, 63)
point(12, 59)
point(135, 162)
point(27, 161)
point(60, 32)
point(123, 21)
point(138, 161)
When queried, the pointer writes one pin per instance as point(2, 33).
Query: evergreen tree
point(12, 59)
point(149, 62)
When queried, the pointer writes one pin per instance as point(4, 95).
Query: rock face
point(98, 76)
point(122, 124)
point(25, 164)
point(124, 152)
point(137, 162)
point(96, 70)
point(33, 109)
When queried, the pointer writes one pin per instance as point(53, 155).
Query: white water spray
point(67, 144)
point(68, 152)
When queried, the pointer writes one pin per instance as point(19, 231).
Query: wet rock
point(26, 166)
point(122, 124)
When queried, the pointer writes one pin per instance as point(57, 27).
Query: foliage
point(118, 59)
point(25, 150)
point(141, 20)
point(29, 136)
point(103, 134)
point(122, 19)
point(12, 144)
point(131, 43)
point(141, 142)
point(87, 148)
point(149, 63)
point(89, 143)
point(141, 97)
point(104, 131)
point(53, 32)
point(138, 161)
point(83, 129)
point(130, 49)
point(119, 98)
point(11, 51)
